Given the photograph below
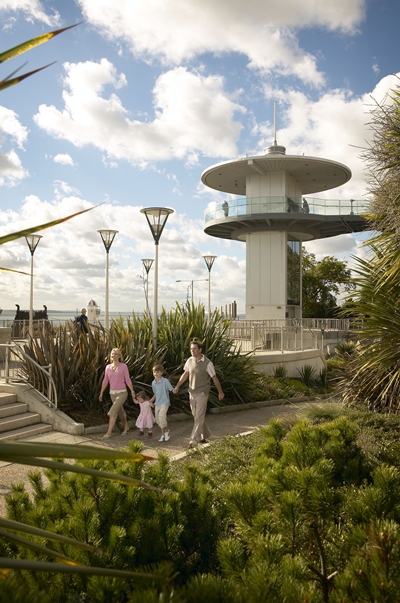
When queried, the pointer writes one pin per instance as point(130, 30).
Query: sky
point(143, 97)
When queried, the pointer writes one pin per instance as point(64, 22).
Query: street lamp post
point(33, 242)
point(191, 284)
point(147, 264)
point(209, 260)
point(156, 218)
point(107, 236)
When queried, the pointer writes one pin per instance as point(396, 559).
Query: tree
point(321, 285)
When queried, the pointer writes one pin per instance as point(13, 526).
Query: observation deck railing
point(245, 206)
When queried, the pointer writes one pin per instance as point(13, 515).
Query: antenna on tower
point(275, 143)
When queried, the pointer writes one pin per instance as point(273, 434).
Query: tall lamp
point(33, 242)
point(209, 260)
point(147, 264)
point(107, 236)
point(156, 219)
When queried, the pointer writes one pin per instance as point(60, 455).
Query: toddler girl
point(145, 419)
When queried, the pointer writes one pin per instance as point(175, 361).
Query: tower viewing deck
point(306, 217)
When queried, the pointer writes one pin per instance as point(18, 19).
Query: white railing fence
point(16, 366)
point(287, 335)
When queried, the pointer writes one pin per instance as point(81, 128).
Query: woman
point(117, 376)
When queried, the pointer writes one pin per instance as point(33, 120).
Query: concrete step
point(6, 398)
point(12, 423)
point(25, 432)
point(9, 410)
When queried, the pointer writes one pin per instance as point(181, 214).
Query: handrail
point(29, 371)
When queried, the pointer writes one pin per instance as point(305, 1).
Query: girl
point(145, 419)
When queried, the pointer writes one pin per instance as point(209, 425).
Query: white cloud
point(193, 113)
point(265, 32)
point(11, 170)
point(64, 159)
point(31, 10)
point(69, 262)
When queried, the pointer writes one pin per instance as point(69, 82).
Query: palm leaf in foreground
point(29, 453)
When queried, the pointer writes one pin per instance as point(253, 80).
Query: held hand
point(175, 390)
point(221, 396)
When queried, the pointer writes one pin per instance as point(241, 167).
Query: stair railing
point(17, 366)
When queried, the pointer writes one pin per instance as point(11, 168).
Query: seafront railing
point(288, 335)
point(276, 205)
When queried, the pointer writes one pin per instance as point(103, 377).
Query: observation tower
point(274, 217)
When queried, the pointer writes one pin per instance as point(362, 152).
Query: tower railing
point(276, 205)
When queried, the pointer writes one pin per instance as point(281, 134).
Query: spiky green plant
point(307, 374)
point(280, 372)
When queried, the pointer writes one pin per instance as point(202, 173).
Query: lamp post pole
point(107, 236)
point(191, 284)
point(156, 218)
point(209, 260)
point(33, 242)
point(147, 264)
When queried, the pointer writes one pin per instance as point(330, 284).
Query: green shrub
point(307, 374)
point(280, 372)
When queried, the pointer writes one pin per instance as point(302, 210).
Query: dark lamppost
point(33, 242)
point(107, 236)
point(147, 264)
point(156, 218)
point(209, 260)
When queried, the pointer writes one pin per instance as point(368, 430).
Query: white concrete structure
point(93, 312)
point(275, 217)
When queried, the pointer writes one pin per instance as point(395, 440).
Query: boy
point(161, 388)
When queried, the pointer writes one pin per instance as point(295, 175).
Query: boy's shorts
point(161, 414)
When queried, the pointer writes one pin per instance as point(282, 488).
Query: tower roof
point(313, 174)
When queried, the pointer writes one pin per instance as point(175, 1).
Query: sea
point(58, 316)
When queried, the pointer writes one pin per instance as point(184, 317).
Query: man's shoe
point(203, 441)
point(192, 444)
point(162, 439)
point(166, 436)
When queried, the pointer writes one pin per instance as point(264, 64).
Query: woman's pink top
point(117, 379)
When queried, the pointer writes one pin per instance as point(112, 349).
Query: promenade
point(221, 425)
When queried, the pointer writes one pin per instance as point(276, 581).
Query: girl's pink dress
point(145, 419)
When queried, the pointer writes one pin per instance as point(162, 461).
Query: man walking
point(199, 370)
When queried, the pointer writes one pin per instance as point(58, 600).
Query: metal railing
point(277, 205)
point(287, 335)
point(16, 366)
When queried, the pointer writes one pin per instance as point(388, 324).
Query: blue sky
point(143, 98)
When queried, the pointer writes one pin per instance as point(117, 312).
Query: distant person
point(306, 207)
point(145, 419)
point(225, 207)
point(199, 370)
point(82, 321)
point(117, 377)
point(161, 388)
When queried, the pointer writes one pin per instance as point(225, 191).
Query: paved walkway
point(221, 425)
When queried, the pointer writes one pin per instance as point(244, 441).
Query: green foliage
point(280, 371)
point(321, 285)
point(295, 512)
point(307, 374)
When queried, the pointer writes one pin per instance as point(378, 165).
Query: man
point(82, 321)
point(199, 370)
